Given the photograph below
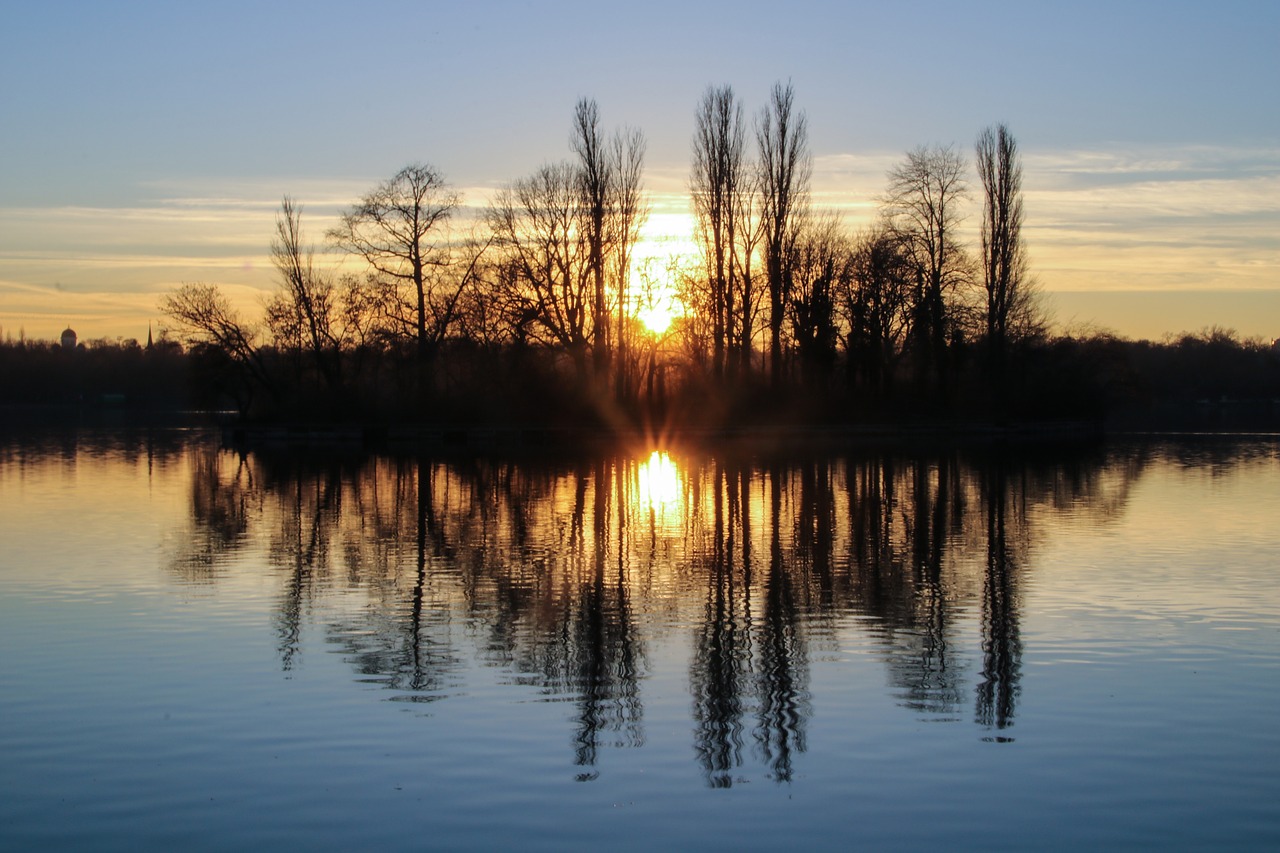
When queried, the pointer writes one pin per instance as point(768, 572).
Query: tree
point(567, 235)
point(208, 324)
point(397, 229)
point(785, 168)
point(821, 267)
point(628, 212)
point(595, 177)
point(876, 304)
point(609, 175)
point(305, 311)
point(717, 184)
point(1010, 310)
point(545, 272)
point(923, 204)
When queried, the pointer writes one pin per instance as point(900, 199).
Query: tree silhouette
point(785, 167)
point(545, 330)
point(721, 193)
point(304, 313)
point(397, 228)
point(224, 342)
point(565, 235)
point(1010, 311)
point(923, 203)
point(595, 179)
point(544, 271)
point(628, 213)
point(821, 269)
point(876, 306)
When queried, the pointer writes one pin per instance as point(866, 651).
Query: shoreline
point(480, 438)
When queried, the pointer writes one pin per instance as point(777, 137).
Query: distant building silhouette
point(69, 338)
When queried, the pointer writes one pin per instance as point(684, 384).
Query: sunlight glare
point(656, 318)
point(658, 482)
point(666, 243)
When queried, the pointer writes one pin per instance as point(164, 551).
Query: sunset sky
point(143, 145)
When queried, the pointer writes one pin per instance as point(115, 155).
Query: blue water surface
point(206, 649)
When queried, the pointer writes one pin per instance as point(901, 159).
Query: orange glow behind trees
point(571, 303)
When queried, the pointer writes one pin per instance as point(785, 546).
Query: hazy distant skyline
point(148, 144)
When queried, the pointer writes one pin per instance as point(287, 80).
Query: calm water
point(205, 651)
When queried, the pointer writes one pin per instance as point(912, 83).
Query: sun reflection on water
point(658, 483)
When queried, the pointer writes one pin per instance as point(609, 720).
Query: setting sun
point(666, 243)
point(657, 318)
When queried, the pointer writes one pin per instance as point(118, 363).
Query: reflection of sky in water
point(866, 651)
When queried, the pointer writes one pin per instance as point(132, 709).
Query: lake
point(963, 648)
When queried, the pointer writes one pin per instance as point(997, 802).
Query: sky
point(144, 145)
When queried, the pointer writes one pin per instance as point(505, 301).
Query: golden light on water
point(658, 483)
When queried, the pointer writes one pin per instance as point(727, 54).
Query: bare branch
point(396, 228)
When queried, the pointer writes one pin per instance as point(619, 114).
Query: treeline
point(1205, 380)
point(537, 311)
point(102, 373)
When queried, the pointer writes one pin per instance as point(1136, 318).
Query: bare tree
point(596, 177)
point(304, 311)
point(545, 273)
point(821, 266)
point(1010, 310)
point(206, 320)
point(397, 228)
point(628, 211)
point(876, 305)
point(566, 237)
point(609, 174)
point(923, 203)
point(785, 168)
point(716, 185)
point(204, 316)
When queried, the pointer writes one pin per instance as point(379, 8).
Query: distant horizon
point(1071, 312)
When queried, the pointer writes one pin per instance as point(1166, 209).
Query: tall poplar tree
point(785, 167)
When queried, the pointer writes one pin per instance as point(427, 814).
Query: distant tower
point(149, 336)
point(69, 338)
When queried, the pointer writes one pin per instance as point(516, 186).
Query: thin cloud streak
point(1155, 218)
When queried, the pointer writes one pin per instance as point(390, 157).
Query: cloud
point(1155, 217)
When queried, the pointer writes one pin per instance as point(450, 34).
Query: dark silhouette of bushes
point(101, 374)
point(1206, 380)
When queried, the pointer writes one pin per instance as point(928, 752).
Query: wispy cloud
point(1159, 217)
point(1155, 218)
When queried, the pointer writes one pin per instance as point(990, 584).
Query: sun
point(665, 241)
point(657, 318)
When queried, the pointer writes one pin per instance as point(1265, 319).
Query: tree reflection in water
point(561, 573)
point(1001, 645)
point(722, 647)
